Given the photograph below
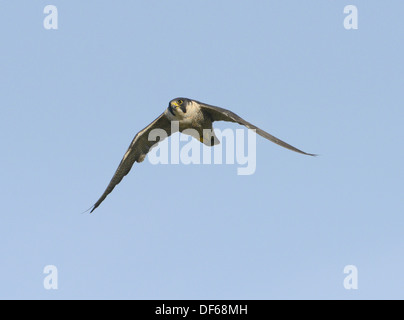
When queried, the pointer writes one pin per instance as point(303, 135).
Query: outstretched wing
point(220, 114)
point(137, 151)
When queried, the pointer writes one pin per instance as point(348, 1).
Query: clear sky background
point(71, 101)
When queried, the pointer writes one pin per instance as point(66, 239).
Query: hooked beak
point(171, 109)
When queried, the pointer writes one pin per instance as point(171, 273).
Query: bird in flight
point(190, 114)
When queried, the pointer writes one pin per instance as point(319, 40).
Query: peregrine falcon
point(190, 114)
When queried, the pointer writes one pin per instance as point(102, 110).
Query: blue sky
point(72, 99)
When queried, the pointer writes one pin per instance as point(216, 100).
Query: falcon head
point(177, 108)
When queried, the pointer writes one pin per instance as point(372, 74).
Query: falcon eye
point(180, 102)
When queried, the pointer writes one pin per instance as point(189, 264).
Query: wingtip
point(90, 210)
point(87, 210)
